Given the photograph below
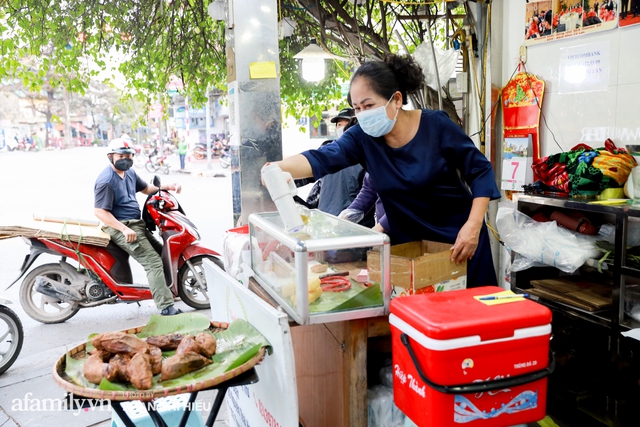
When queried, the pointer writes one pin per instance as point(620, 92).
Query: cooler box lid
point(457, 314)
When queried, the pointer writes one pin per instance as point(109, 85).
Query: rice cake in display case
point(312, 272)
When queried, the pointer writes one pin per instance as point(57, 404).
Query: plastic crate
point(170, 408)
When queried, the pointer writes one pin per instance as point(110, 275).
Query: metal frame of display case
point(301, 249)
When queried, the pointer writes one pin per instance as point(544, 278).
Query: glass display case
point(318, 273)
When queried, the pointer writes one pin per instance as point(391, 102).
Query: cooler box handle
point(483, 386)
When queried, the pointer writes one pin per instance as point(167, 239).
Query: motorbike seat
point(121, 270)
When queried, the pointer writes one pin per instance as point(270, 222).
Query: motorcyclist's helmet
point(120, 146)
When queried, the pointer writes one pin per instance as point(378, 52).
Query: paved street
point(61, 183)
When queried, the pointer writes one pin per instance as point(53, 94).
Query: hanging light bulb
point(313, 69)
point(313, 57)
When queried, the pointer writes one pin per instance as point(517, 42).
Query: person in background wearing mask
point(414, 157)
point(342, 119)
point(116, 206)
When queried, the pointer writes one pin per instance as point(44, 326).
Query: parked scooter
point(26, 144)
point(200, 151)
point(12, 335)
point(53, 293)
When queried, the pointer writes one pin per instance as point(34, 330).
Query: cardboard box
point(419, 268)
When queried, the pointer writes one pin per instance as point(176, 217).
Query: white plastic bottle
point(282, 193)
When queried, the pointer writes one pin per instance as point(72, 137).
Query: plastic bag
point(447, 60)
point(543, 242)
point(234, 242)
point(381, 409)
point(386, 376)
point(608, 232)
point(352, 215)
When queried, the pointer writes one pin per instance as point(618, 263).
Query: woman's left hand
point(466, 243)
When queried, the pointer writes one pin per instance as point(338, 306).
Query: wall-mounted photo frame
point(549, 20)
point(629, 12)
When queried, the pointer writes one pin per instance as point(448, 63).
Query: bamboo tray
point(67, 383)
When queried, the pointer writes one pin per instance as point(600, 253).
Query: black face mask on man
point(123, 164)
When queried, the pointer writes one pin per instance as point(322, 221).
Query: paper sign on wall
point(584, 68)
point(516, 163)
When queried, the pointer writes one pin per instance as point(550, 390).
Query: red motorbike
point(53, 293)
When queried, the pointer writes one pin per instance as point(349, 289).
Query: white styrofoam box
point(170, 408)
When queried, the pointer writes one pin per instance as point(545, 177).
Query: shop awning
point(81, 128)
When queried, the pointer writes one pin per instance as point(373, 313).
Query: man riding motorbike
point(116, 206)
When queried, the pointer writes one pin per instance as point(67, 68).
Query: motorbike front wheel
point(140, 160)
point(189, 290)
point(12, 337)
point(151, 167)
point(41, 307)
point(224, 162)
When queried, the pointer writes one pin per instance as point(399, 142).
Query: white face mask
point(339, 131)
point(375, 122)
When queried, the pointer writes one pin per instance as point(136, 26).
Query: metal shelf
point(578, 204)
point(628, 271)
point(613, 318)
point(602, 317)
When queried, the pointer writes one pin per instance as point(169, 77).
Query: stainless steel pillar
point(253, 72)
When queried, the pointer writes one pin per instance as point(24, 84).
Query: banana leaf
point(73, 369)
point(182, 324)
point(235, 346)
point(356, 297)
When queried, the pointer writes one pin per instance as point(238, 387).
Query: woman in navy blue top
point(433, 181)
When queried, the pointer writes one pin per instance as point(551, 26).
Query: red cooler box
point(458, 361)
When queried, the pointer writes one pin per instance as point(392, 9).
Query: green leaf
point(179, 324)
point(73, 369)
point(357, 296)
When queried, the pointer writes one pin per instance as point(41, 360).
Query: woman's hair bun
point(408, 72)
point(394, 73)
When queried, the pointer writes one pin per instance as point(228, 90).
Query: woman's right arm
point(297, 165)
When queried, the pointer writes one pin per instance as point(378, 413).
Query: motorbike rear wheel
point(11, 337)
point(41, 307)
point(189, 290)
point(198, 153)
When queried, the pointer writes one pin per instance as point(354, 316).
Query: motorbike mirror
point(156, 181)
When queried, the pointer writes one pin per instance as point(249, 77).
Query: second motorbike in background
point(159, 162)
point(142, 154)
